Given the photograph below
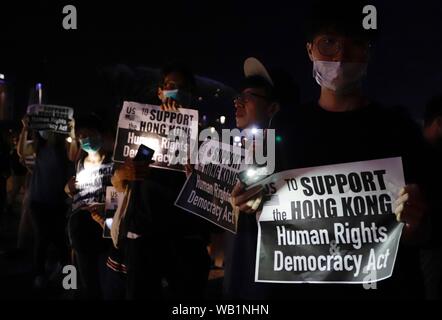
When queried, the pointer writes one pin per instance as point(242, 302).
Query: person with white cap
point(261, 99)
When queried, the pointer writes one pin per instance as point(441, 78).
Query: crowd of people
point(159, 251)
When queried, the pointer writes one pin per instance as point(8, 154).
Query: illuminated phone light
point(212, 130)
point(237, 139)
point(69, 140)
point(254, 130)
point(251, 173)
point(2, 76)
point(222, 119)
point(109, 222)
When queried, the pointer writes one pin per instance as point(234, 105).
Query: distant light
point(69, 140)
point(254, 130)
point(278, 139)
point(222, 119)
point(200, 99)
point(237, 139)
point(212, 130)
point(38, 86)
point(2, 76)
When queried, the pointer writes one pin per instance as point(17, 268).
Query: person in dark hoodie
point(431, 256)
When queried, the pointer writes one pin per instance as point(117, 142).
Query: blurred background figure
point(432, 257)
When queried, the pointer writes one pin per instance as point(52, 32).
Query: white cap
point(253, 67)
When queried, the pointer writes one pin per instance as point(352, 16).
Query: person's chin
point(240, 123)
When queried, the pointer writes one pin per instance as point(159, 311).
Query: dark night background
point(213, 37)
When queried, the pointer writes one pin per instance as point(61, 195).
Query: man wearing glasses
point(343, 126)
point(262, 96)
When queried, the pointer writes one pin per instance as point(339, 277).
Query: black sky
point(214, 37)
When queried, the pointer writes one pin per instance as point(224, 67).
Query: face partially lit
point(86, 133)
point(253, 108)
point(172, 81)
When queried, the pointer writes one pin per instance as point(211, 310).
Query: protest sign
point(50, 118)
point(91, 184)
point(113, 199)
point(206, 192)
point(168, 133)
point(330, 224)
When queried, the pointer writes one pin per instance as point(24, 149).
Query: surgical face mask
point(339, 76)
point(170, 94)
point(91, 144)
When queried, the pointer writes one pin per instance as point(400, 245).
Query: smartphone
point(144, 154)
point(253, 175)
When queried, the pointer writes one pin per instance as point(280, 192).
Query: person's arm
point(129, 171)
point(24, 149)
point(247, 201)
point(118, 180)
point(98, 218)
point(70, 187)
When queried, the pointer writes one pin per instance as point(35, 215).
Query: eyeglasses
point(330, 46)
point(247, 96)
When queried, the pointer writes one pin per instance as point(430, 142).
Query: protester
point(46, 195)
point(166, 247)
point(346, 126)
point(432, 255)
point(88, 191)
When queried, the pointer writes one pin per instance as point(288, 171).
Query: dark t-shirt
point(49, 176)
point(316, 137)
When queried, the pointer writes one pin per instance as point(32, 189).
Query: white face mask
point(170, 94)
point(339, 76)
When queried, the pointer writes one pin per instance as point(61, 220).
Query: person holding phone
point(85, 234)
point(166, 246)
point(263, 95)
point(343, 125)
